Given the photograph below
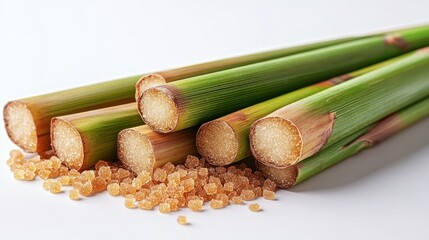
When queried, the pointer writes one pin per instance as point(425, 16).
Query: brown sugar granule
point(188, 185)
point(195, 205)
point(192, 162)
point(105, 172)
point(257, 191)
point(248, 195)
point(55, 187)
point(159, 175)
point(65, 180)
point(203, 172)
point(145, 204)
point(145, 177)
point(47, 184)
point(98, 184)
point(210, 188)
point(168, 167)
point(229, 186)
point(174, 178)
point(269, 185)
point(182, 220)
point(237, 200)
point(164, 207)
point(74, 194)
point(86, 189)
point(217, 204)
point(254, 207)
point(130, 202)
point(269, 195)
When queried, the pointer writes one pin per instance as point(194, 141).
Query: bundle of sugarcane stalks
point(297, 110)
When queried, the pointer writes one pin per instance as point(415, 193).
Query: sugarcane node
point(217, 142)
point(396, 40)
point(148, 81)
point(424, 50)
point(67, 143)
point(159, 109)
point(20, 125)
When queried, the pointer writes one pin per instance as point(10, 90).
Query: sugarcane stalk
point(225, 140)
point(27, 120)
point(349, 146)
point(193, 101)
point(81, 139)
point(140, 148)
point(162, 77)
point(301, 129)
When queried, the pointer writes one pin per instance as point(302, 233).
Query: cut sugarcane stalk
point(301, 129)
point(28, 120)
point(140, 148)
point(81, 139)
point(193, 101)
point(351, 145)
point(226, 140)
point(162, 77)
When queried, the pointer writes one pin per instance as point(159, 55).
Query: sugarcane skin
point(198, 103)
point(362, 140)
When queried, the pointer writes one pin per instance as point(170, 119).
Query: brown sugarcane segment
point(303, 128)
point(193, 101)
point(81, 139)
point(27, 120)
point(140, 148)
point(349, 146)
point(226, 140)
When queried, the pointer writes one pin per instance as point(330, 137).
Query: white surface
point(51, 45)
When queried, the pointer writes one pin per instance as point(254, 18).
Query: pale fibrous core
point(217, 143)
point(275, 142)
point(67, 143)
point(135, 151)
point(159, 109)
point(20, 126)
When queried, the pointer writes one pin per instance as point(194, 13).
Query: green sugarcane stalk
point(303, 128)
point(349, 146)
point(192, 101)
point(81, 139)
point(162, 77)
point(225, 140)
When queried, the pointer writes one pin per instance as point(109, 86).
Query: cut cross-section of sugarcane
point(225, 140)
point(351, 145)
point(193, 101)
point(140, 148)
point(301, 129)
point(81, 139)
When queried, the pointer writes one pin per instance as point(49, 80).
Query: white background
point(51, 45)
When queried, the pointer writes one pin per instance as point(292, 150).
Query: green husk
point(192, 101)
point(225, 140)
point(81, 139)
point(320, 120)
point(349, 146)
